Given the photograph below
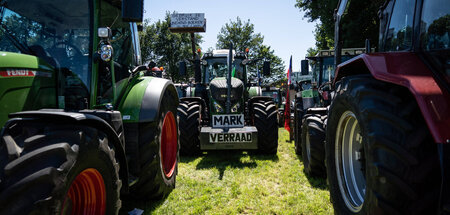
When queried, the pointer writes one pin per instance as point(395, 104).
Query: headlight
point(218, 108)
point(235, 108)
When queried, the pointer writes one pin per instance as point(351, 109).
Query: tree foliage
point(242, 35)
point(166, 49)
point(360, 22)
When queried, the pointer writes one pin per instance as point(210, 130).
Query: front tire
point(313, 149)
point(159, 147)
point(380, 157)
point(265, 121)
point(58, 169)
point(298, 118)
point(189, 113)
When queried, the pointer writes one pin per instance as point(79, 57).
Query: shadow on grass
point(316, 182)
point(223, 159)
point(148, 206)
point(188, 159)
point(262, 157)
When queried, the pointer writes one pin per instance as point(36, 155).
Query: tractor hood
point(218, 90)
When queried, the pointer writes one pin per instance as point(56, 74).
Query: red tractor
point(388, 129)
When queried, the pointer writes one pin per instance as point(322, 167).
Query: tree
point(360, 22)
point(166, 49)
point(311, 52)
point(242, 35)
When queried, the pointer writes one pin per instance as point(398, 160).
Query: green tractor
point(225, 111)
point(87, 126)
point(311, 105)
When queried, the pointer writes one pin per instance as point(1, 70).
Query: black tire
point(153, 182)
point(52, 161)
point(298, 117)
point(394, 157)
point(313, 148)
point(265, 121)
point(280, 117)
point(189, 113)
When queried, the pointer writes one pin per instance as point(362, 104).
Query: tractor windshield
point(57, 31)
point(435, 35)
point(217, 67)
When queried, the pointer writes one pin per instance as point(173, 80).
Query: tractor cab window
point(435, 34)
point(218, 67)
point(56, 31)
point(399, 33)
point(123, 52)
point(327, 70)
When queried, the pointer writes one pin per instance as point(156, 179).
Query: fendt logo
point(24, 73)
point(228, 121)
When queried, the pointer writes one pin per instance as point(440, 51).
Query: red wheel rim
point(86, 195)
point(169, 142)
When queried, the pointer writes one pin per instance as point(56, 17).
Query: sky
point(283, 26)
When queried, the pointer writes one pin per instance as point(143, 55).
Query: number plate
point(228, 121)
point(230, 137)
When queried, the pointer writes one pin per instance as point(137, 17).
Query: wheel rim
point(86, 195)
point(169, 144)
point(349, 161)
point(308, 145)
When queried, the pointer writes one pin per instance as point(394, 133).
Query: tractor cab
point(64, 56)
point(215, 70)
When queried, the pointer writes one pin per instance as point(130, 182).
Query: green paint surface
point(26, 83)
point(130, 105)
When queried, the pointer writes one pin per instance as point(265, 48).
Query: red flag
point(287, 106)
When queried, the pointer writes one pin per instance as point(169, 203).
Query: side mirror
point(132, 10)
point(182, 68)
point(266, 68)
point(305, 69)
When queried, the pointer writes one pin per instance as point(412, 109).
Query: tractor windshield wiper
point(21, 46)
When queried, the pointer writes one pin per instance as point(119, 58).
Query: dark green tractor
point(311, 105)
point(225, 111)
point(86, 126)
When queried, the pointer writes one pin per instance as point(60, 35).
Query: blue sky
point(279, 21)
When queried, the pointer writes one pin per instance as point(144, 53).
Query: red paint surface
point(407, 69)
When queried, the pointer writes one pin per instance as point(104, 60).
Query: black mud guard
point(59, 115)
point(151, 102)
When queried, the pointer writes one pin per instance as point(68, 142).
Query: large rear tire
point(57, 169)
point(189, 114)
point(313, 149)
point(158, 154)
point(298, 118)
point(380, 156)
point(265, 121)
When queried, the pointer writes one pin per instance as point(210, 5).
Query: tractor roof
point(223, 53)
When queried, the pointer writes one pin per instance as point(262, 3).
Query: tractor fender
point(151, 102)
point(59, 115)
point(406, 69)
point(143, 101)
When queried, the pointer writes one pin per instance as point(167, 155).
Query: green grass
point(233, 182)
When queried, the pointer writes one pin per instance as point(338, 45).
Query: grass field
point(233, 182)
